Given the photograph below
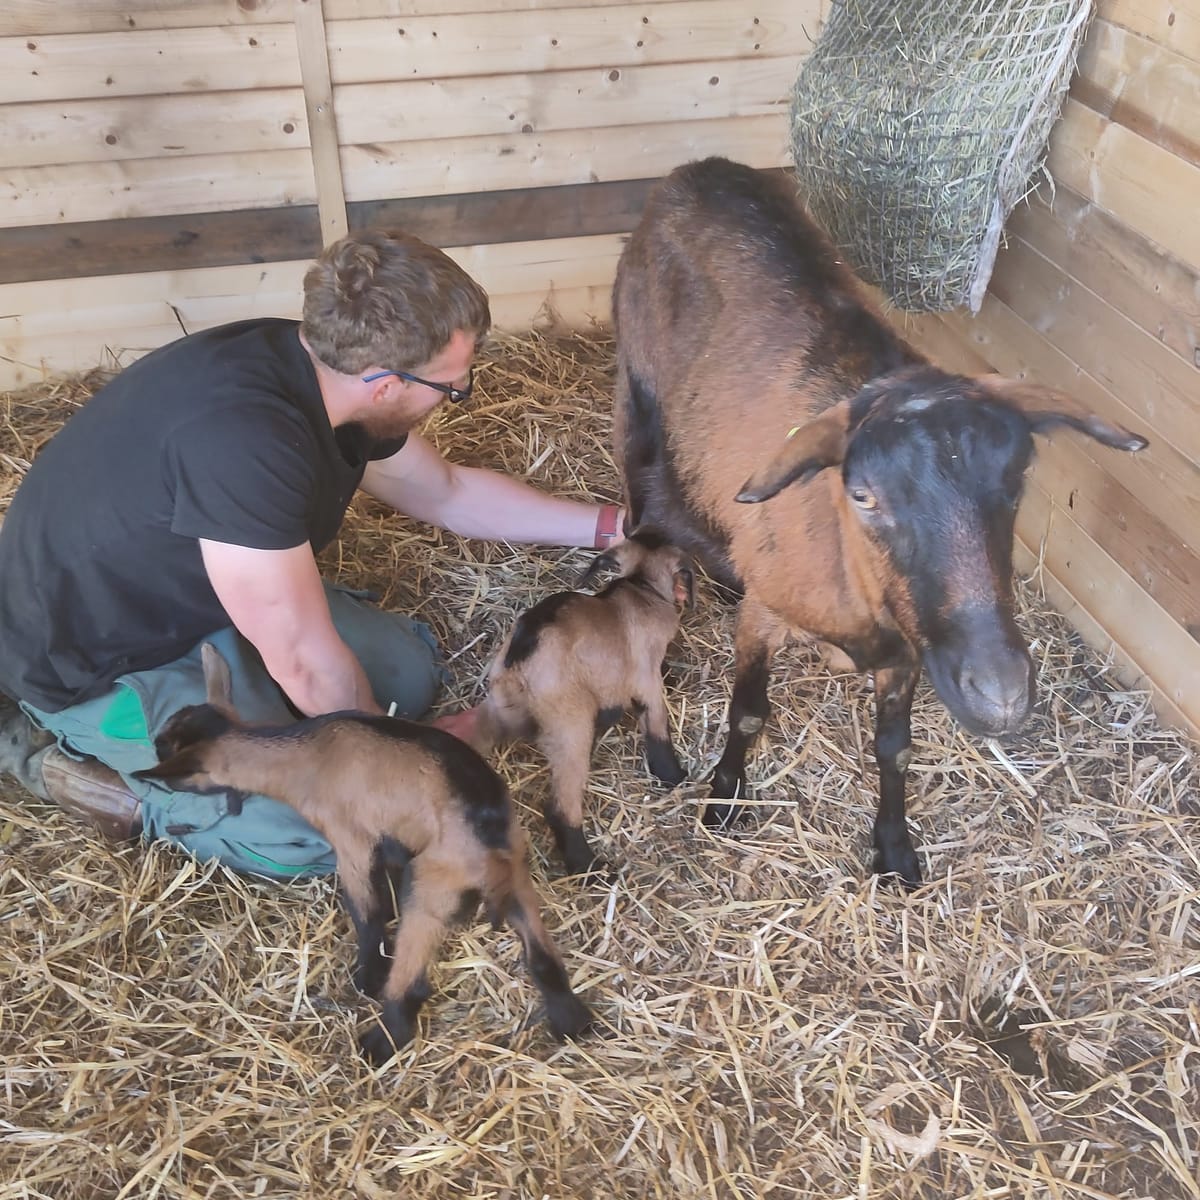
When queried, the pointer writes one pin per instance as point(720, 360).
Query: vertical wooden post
point(322, 126)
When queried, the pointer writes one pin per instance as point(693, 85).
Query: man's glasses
point(456, 395)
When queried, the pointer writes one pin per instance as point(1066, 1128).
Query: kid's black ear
point(602, 562)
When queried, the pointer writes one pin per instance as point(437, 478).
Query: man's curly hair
point(383, 298)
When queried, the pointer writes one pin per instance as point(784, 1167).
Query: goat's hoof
point(569, 1017)
point(671, 774)
point(369, 980)
point(899, 863)
point(721, 816)
point(592, 870)
point(380, 1045)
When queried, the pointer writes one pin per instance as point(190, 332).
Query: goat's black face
point(934, 473)
point(195, 723)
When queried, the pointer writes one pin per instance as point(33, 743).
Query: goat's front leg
point(759, 634)
point(894, 853)
point(364, 894)
point(655, 721)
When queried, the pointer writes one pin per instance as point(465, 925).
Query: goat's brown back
point(364, 783)
point(727, 288)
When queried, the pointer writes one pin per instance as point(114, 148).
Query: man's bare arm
point(475, 502)
point(275, 599)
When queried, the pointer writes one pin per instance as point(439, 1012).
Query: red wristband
point(606, 526)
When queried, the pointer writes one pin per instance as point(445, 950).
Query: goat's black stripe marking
point(530, 624)
point(657, 495)
point(606, 718)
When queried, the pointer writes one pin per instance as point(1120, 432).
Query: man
point(186, 502)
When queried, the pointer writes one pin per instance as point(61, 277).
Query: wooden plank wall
point(170, 164)
point(1098, 292)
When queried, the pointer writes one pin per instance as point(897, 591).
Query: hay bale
point(781, 1025)
point(916, 127)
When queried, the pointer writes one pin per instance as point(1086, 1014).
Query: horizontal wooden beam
point(84, 249)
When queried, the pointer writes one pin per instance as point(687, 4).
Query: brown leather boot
point(90, 790)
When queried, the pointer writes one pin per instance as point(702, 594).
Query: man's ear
point(1047, 407)
point(807, 450)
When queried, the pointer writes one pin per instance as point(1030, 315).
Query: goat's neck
point(647, 591)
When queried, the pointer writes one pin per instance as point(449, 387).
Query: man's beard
point(384, 427)
point(393, 422)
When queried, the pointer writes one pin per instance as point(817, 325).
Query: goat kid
point(749, 361)
point(405, 807)
point(574, 664)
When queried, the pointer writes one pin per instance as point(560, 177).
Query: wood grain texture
point(229, 57)
point(99, 248)
point(322, 123)
point(1128, 176)
point(1139, 84)
point(73, 324)
point(376, 171)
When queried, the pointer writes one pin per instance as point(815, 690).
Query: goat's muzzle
point(986, 680)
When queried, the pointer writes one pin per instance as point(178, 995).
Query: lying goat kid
point(399, 802)
point(574, 664)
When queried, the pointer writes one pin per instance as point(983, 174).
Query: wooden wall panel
point(73, 324)
point(87, 66)
point(84, 131)
point(1139, 183)
point(591, 99)
point(58, 67)
point(1149, 378)
point(379, 170)
point(131, 188)
point(443, 47)
point(23, 17)
point(1143, 86)
point(1153, 290)
point(1167, 22)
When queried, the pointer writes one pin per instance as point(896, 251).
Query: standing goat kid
point(402, 804)
point(751, 368)
point(574, 664)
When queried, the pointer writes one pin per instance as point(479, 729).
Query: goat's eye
point(864, 498)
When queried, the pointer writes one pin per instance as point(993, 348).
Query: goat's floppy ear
point(218, 684)
point(1046, 407)
point(602, 562)
point(809, 448)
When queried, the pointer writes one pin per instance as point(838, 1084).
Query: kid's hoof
point(569, 1017)
point(379, 1045)
point(900, 863)
point(721, 815)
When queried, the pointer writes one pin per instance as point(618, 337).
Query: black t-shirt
point(221, 435)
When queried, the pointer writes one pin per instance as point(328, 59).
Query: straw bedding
point(778, 1023)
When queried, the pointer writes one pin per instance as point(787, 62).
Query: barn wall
point(1098, 292)
point(173, 164)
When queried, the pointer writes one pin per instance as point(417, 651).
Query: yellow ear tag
point(791, 433)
